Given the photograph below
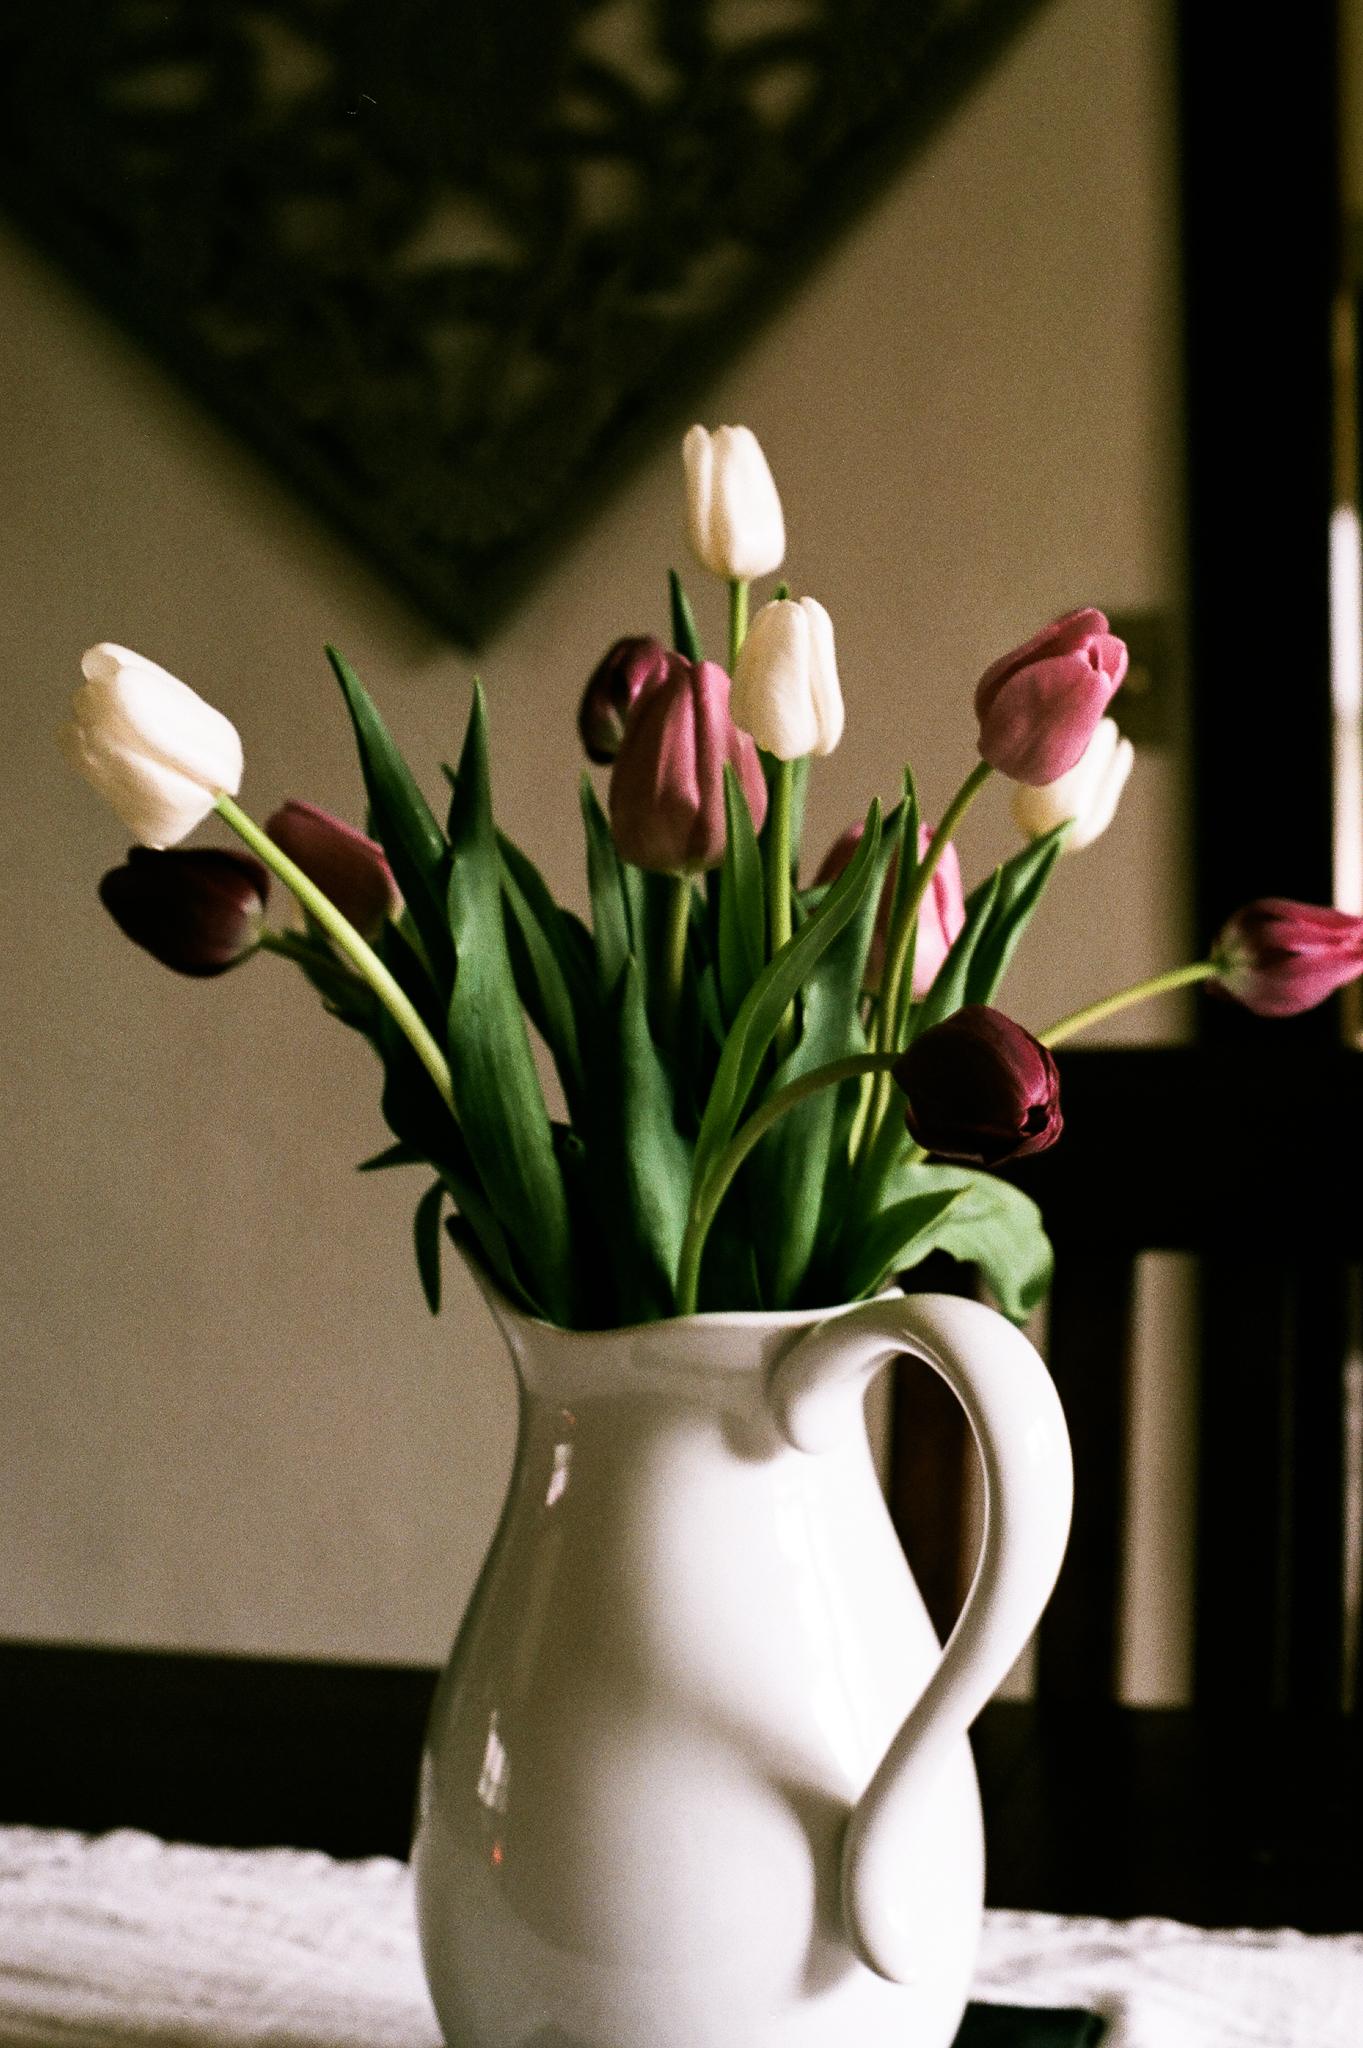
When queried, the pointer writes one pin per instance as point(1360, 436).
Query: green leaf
point(742, 902)
point(1022, 881)
point(426, 1235)
point(948, 990)
point(402, 821)
point(543, 988)
point(610, 916)
point(638, 1113)
point(496, 1089)
point(400, 1154)
point(771, 994)
point(897, 1238)
point(990, 1224)
point(789, 1169)
point(685, 638)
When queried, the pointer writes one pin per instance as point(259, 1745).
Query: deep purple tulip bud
point(667, 785)
point(198, 910)
point(1039, 706)
point(980, 1089)
point(1278, 957)
point(352, 870)
point(615, 683)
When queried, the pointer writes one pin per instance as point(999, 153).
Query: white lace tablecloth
point(123, 1939)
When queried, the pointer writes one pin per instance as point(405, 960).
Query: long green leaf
point(610, 917)
point(496, 1089)
point(742, 902)
point(685, 638)
point(543, 989)
point(948, 990)
point(771, 994)
point(1022, 882)
point(898, 1238)
point(403, 822)
point(992, 1225)
point(656, 1159)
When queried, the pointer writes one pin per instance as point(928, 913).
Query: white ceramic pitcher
point(697, 1774)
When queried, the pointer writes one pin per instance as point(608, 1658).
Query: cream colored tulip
point(153, 749)
point(1088, 792)
point(786, 691)
point(733, 512)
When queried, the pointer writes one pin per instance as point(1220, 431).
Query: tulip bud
point(980, 1089)
point(941, 914)
point(667, 785)
point(352, 870)
point(1088, 792)
point(614, 684)
point(786, 691)
point(154, 751)
point(1038, 706)
point(733, 512)
point(1278, 957)
point(198, 910)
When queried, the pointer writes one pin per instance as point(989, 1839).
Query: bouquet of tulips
point(777, 1096)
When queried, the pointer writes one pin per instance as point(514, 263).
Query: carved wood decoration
point(449, 264)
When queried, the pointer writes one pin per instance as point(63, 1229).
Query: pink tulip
point(198, 910)
point(1039, 706)
point(614, 684)
point(667, 785)
point(940, 917)
point(1278, 957)
point(980, 1089)
point(352, 870)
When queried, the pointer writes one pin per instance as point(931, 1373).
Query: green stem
point(1158, 985)
point(362, 957)
point(678, 930)
point(705, 1200)
point(893, 1008)
point(738, 618)
point(778, 887)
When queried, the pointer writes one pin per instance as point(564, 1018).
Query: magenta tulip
point(198, 910)
point(614, 684)
point(667, 785)
point(980, 1089)
point(1278, 957)
point(1039, 706)
point(352, 870)
point(940, 916)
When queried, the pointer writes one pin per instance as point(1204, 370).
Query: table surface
point(125, 1938)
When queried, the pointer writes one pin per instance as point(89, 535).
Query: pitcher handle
point(1017, 1421)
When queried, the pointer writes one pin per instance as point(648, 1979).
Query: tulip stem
point(895, 998)
point(1139, 992)
point(738, 618)
point(706, 1199)
point(678, 931)
point(778, 885)
point(362, 957)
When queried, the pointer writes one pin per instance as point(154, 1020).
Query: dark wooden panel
point(1089, 1331)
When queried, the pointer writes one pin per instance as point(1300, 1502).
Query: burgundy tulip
point(940, 916)
point(667, 785)
point(198, 910)
point(980, 1089)
point(614, 684)
point(1039, 706)
point(352, 870)
point(1278, 957)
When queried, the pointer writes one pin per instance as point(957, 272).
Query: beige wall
point(228, 1420)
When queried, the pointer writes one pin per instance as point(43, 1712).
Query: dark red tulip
point(1039, 706)
point(614, 684)
point(352, 870)
point(198, 910)
point(1278, 957)
point(980, 1089)
point(667, 785)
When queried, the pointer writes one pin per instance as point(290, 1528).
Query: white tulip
point(733, 511)
point(156, 752)
point(1088, 792)
point(786, 691)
